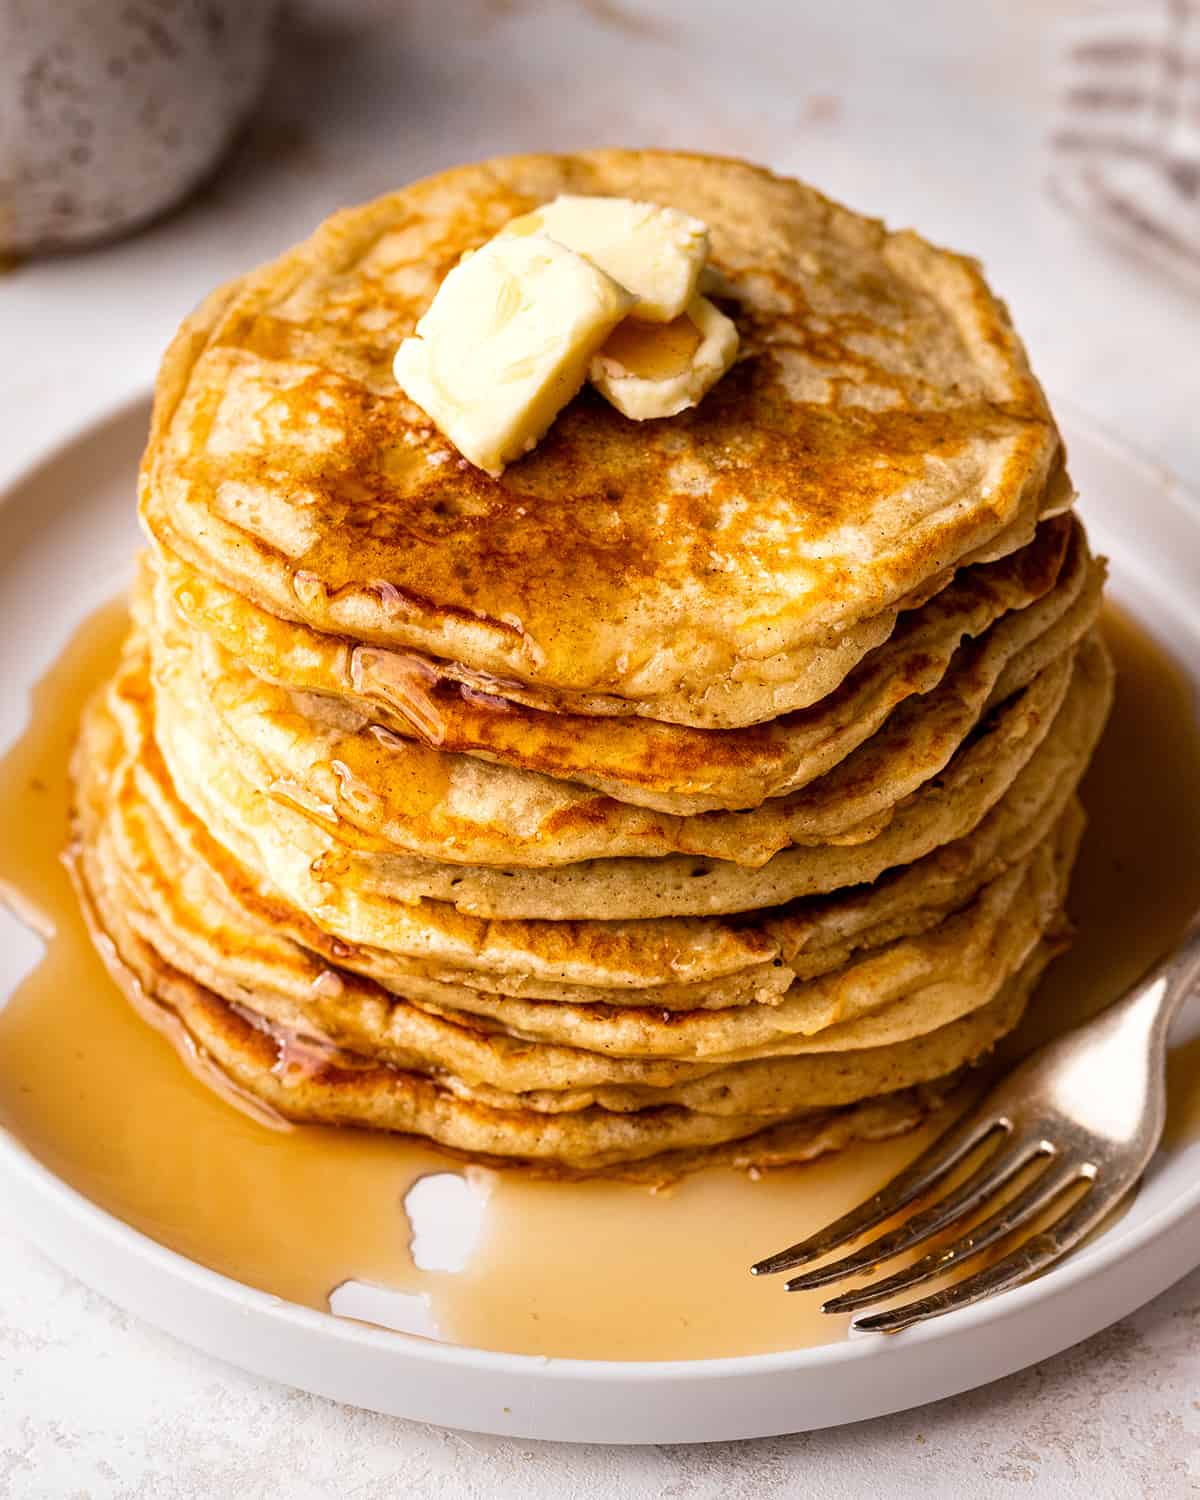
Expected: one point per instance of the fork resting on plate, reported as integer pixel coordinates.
(1077, 1122)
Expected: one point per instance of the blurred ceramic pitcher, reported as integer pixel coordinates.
(112, 110)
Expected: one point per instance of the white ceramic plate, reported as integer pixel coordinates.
(66, 534)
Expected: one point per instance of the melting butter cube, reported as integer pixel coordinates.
(656, 252)
(506, 343)
(658, 369)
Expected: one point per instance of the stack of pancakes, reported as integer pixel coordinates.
(702, 789)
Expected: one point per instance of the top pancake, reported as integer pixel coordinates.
(718, 568)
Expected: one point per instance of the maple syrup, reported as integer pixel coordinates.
(592, 1269)
(653, 351)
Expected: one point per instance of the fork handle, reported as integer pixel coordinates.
(1170, 982)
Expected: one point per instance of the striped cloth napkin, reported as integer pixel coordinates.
(1125, 144)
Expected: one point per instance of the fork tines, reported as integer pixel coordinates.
(1055, 1172)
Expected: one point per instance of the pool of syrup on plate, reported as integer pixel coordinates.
(493, 1259)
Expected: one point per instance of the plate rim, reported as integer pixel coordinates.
(1105, 1255)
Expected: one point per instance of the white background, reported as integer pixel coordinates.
(932, 113)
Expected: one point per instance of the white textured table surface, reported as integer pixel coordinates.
(928, 113)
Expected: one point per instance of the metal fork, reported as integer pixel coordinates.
(1078, 1120)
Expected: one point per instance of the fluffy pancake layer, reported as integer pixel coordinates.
(331, 762)
(880, 429)
(666, 767)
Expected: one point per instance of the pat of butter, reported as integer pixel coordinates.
(658, 369)
(506, 343)
(656, 252)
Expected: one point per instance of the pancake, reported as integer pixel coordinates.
(363, 896)
(881, 997)
(184, 911)
(165, 864)
(665, 1142)
(970, 949)
(560, 1079)
(385, 795)
(668, 768)
(880, 429)
(304, 1082)
(680, 963)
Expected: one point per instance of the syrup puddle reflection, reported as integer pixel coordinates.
(446, 1213)
(402, 1312)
